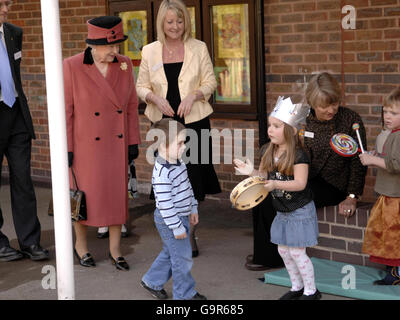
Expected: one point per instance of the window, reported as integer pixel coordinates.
(226, 27)
(135, 27)
(231, 55)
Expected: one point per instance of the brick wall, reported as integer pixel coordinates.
(302, 37)
(340, 238)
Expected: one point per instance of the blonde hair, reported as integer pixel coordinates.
(393, 99)
(181, 11)
(285, 163)
(323, 90)
(167, 126)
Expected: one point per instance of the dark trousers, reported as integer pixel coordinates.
(265, 252)
(15, 145)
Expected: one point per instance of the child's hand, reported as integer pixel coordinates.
(270, 185)
(181, 236)
(194, 219)
(244, 168)
(367, 159)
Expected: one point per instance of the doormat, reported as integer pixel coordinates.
(342, 279)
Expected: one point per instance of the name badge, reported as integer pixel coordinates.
(309, 134)
(157, 66)
(17, 55)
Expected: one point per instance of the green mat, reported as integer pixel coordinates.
(329, 276)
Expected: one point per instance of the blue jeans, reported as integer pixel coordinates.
(175, 259)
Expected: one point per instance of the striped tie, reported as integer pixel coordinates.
(6, 79)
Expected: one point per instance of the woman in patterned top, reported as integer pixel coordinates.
(334, 180)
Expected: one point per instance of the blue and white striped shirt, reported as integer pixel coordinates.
(173, 193)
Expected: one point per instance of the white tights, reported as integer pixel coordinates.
(299, 267)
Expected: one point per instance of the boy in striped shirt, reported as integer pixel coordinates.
(176, 207)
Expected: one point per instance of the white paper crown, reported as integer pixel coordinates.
(293, 114)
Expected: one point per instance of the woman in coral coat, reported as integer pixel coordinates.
(102, 128)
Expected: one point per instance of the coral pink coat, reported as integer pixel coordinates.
(102, 120)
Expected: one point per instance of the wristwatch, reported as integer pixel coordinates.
(352, 195)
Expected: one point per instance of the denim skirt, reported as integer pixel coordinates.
(298, 228)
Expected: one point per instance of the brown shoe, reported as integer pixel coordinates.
(256, 267)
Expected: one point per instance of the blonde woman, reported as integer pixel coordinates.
(176, 79)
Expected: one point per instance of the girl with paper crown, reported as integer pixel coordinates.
(285, 165)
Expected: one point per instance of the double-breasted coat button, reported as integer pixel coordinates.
(120, 136)
(97, 114)
(119, 111)
(97, 138)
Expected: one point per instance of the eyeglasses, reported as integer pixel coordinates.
(6, 4)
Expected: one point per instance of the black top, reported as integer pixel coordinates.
(172, 71)
(346, 174)
(287, 201)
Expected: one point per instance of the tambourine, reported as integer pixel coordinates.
(344, 145)
(249, 193)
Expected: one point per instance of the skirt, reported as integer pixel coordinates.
(202, 176)
(298, 228)
(382, 235)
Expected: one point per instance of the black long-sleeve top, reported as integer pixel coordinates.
(345, 173)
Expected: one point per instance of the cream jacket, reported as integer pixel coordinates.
(197, 73)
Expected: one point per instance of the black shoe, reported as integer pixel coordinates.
(120, 263)
(35, 252)
(198, 296)
(159, 294)
(124, 234)
(9, 254)
(316, 296)
(86, 260)
(292, 295)
(391, 279)
(255, 267)
(102, 235)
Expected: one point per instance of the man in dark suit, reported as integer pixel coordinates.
(16, 134)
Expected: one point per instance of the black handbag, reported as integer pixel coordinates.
(78, 202)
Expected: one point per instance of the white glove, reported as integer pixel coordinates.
(243, 168)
